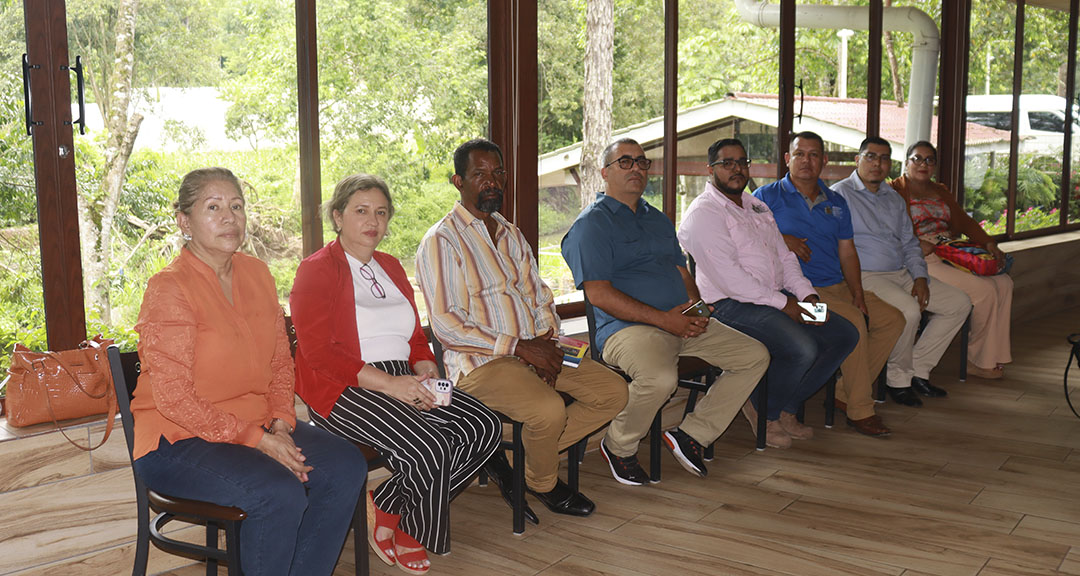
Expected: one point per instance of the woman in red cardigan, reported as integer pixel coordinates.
(361, 362)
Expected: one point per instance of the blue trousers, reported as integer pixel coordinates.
(804, 356)
(292, 528)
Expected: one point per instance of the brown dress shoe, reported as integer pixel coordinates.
(871, 426)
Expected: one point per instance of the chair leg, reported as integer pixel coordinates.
(212, 542)
(654, 446)
(232, 548)
(482, 478)
(360, 545)
(800, 414)
(882, 382)
(142, 541)
(573, 463)
(830, 401)
(519, 480)
(965, 333)
(762, 409)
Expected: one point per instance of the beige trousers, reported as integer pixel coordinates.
(650, 356)
(876, 341)
(550, 426)
(991, 300)
(948, 308)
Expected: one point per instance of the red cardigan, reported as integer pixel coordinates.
(323, 308)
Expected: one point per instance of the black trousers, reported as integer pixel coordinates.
(432, 454)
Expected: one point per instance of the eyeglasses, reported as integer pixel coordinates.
(368, 274)
(871, 157)
(627, 162)
(921, 161)
(731, 163)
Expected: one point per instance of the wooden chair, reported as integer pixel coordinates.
(575, 453)
(125, 372)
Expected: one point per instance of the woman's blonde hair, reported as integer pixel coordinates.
(348, 186)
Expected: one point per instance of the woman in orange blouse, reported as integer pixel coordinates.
(214, 416)
(936, 214)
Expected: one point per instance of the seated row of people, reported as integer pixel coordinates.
(214, 410)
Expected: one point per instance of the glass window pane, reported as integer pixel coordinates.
(989, 105)
(401, 85)
(898, 71)
(206, 87)
(22, 308)
(636, 112)
(1042, 118)
(728, 73)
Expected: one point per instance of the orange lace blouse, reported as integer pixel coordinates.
(211, 369)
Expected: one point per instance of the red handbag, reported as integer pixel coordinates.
(971, 257)
(54, 386)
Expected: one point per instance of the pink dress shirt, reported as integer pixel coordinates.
(739, 251)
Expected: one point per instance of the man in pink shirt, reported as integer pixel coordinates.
(755, 285)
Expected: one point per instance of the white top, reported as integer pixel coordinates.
(384, 325)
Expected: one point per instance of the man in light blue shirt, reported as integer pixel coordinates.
(893, 267)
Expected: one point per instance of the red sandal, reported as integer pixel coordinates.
(376, 519)
(415, 559)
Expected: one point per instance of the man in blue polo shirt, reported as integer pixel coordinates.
(625, 256)
(816, 225)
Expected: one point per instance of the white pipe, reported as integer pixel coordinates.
(924, 47)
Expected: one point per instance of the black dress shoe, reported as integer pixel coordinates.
(562, 500)
(924, 387)
(905, 396)
(502, 474)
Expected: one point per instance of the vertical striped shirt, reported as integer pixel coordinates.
(482, 295)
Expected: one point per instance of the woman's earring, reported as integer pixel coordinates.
(186, 237)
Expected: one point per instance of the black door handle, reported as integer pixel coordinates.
(79, 93)
(26, 68)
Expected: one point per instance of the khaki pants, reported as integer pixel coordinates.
(513, 388)
(948, 309)
(876, 341)
(650, 356)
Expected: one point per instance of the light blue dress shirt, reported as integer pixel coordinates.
(884, 237)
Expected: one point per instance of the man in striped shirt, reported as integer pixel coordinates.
(496, 319)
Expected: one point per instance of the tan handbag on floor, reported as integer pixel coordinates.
(54, 386)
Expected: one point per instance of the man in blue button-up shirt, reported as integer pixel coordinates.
(625, 256)
(816, 224)
(893, 267)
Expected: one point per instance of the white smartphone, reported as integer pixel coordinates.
(820, 311)
(442, 388)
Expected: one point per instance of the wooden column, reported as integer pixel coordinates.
(671, 107)
(786, 104)
(54, 172)
(307, 82)
(1014, 141)
(1070, 89)
(955, 44)
(513, 108)
(873, 72)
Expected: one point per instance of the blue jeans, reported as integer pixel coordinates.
(291, 527)
(804, 356)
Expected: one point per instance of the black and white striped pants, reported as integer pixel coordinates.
(433, 454)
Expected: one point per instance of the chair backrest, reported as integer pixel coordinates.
(290, 331)
(125, 368)
(590, 319)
